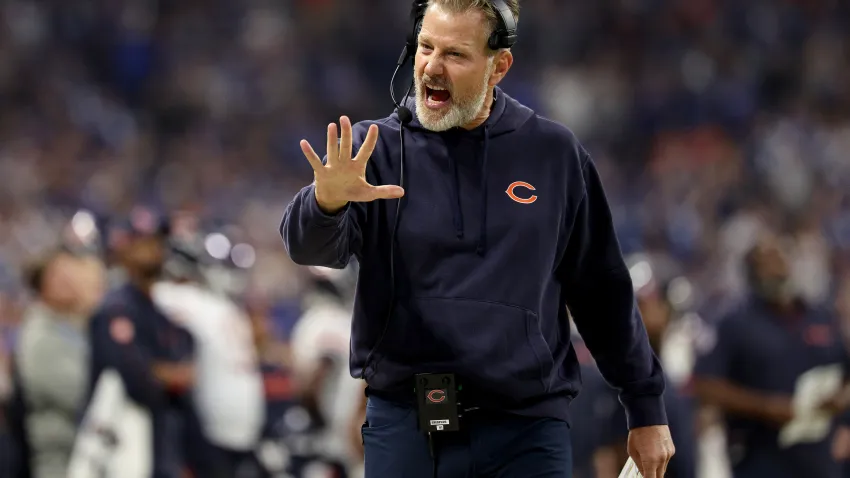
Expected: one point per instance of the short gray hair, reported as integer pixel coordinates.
(486, 6)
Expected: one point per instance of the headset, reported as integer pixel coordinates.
(504, 36)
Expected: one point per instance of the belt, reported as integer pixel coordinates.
(469, 397)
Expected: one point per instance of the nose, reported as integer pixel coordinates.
(433, 67)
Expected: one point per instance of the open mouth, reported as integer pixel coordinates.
(437, 97)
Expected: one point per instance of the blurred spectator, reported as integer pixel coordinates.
(52, 357)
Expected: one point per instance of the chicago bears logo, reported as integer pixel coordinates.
(121, 330)
(437, 396)
(521, 184)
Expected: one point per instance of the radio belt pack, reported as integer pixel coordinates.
(437, 402)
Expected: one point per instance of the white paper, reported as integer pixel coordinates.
(812, 389)
(630, 470)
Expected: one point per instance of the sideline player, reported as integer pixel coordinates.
(141, 369)
(320, 348)
(228, 392)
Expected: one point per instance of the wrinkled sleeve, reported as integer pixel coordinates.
(600, 297)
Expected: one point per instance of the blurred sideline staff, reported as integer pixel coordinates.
(228, 392)
(750, 367)
(52, 356)
(320, 352)
(140, 371)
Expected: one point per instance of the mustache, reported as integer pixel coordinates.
(434, 82)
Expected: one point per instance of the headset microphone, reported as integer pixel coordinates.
(405, 116)
(417, 12)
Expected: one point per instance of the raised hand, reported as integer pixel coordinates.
(342, 179)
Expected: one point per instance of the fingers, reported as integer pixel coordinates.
(312, 157)
(369, 143)
(345, 141)
(671, 451)
(649, 471)
(387, 192)
(655, 467)
(645, 470)
(333, 144)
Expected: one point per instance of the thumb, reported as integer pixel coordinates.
(387, 192)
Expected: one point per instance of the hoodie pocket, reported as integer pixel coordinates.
(498, 347)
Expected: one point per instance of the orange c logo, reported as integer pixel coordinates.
(521, 184)
(436, 396)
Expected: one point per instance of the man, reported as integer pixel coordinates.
(140, 370)
(503, 221)
(751, 368)
(52, 358)
(228, 391)
(320, 348)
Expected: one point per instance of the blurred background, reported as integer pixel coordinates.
(711, 121)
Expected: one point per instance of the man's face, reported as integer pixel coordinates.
(771, 269)
(60, 281)
(454, 69)
(145, 255)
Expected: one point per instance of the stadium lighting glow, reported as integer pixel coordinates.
(84, 226)
(243, 255)
(217, 245)
(641, 274)
(680, 291)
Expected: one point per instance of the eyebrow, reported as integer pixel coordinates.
(458, 46)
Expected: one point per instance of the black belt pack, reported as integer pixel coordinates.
(437, 402)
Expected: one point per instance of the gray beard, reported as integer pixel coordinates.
(461, 112)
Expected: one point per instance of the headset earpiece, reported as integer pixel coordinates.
(505, 35)
(417, 13)
(501, 40)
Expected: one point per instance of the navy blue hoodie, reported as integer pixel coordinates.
(500, 229)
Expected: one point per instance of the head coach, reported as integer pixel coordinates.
(476, 224)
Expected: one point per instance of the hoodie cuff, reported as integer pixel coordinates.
(321, 217)
(645, 411)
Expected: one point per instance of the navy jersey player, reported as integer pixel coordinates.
(153, 358)
(750, 370)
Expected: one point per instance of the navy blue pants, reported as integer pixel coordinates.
(491, 445)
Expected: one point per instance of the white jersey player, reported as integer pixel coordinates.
(229, 393)
(320, 351)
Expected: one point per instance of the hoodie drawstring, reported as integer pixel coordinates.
(457, 212)
(457, 217)
(482, 236)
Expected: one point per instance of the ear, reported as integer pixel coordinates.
(501, 64)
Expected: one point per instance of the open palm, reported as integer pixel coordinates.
(342, 179)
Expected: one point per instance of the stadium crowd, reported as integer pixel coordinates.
(721, 129)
